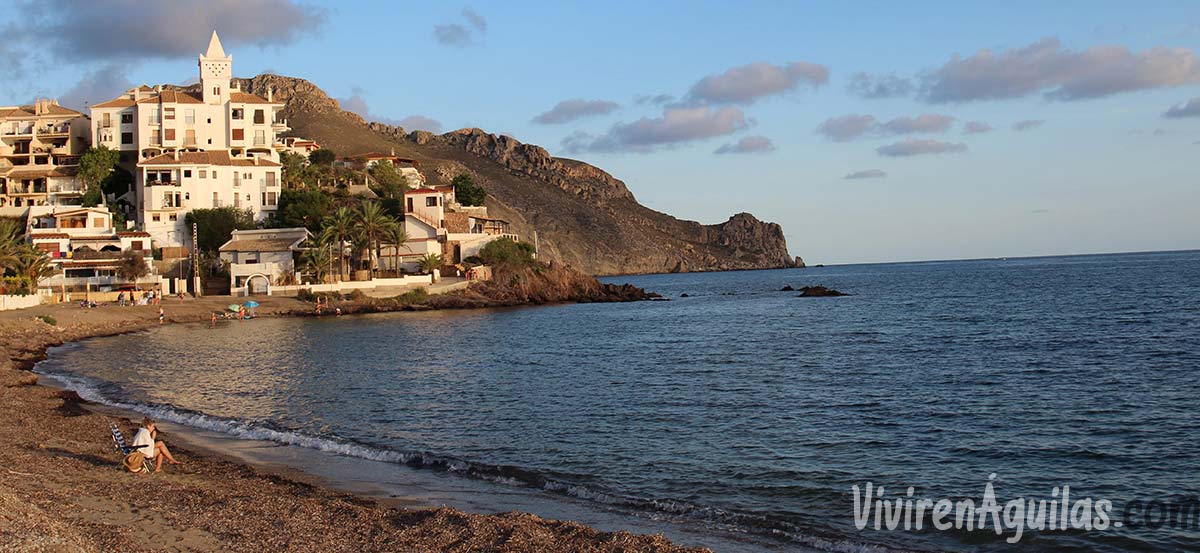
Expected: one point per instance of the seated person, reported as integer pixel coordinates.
(145, 441)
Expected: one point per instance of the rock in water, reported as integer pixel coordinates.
(787, 288)
(819, 292)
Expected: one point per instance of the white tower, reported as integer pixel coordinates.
(216, 72)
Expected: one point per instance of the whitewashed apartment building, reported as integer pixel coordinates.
(194, 150)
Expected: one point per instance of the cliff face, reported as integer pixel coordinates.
(576, 213)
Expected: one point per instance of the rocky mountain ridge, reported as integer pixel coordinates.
(574, 212)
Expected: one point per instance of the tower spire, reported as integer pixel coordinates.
(214, 47)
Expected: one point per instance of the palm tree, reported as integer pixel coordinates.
(318, 261)
(10, 243)
(33, 264)
(339, 227)
(372, 223)
(430, 262)
(397, 236)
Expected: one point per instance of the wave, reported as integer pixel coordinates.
(660, 508)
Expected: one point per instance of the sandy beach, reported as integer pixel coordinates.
(64, 490)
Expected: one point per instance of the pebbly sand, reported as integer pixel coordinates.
(62, 489)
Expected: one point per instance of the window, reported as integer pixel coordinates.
(259, 118)
(173, 217)
(216, 91)
(98, 222)
(126, 118)
(260, 138)
(216, 199)
(169, 114)
(431, 201)
(136, 245)
(126, 138)
(189, 137)
(48, 247)
(271, 179)
(170, 134)
(236, 113)
(214, 173)
(156, 217)
(272, 198)
(155, 138)
(239, 134)
(106, 121)
(189, 116)
(204, 173)
(187, 173)
(154, 118)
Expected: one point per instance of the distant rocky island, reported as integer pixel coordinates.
(577, 213)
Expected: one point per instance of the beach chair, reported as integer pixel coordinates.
(124, 448)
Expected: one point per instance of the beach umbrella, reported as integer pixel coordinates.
(234, 307)
(251, 304)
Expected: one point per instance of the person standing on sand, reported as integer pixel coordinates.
(161, 315)
(145, 441)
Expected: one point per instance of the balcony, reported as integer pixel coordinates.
(260, 141)
(69, 187)
(161, 183)
(19, 131)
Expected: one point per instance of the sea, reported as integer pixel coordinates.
(734, 414)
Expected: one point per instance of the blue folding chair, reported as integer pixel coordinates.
(124, 448)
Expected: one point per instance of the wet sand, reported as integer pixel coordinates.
(62, 488)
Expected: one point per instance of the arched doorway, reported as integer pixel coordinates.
(258, 284)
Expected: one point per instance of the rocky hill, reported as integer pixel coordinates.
(580, 215)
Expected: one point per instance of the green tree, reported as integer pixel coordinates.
(372, 224)
(323, 157)
(467, 192)
(95, 165)
(215, 226)
(390, 183)
(338, 228)
(429, 262)
(32, 264)
(318, 261)
(306, 207)
(506, 251)
(132, 266)
(294, 169)
(397, 236)
(11, 232)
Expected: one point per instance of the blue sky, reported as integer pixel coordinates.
(1102, 171)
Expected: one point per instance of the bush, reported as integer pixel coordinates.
(19, 285)
(505, 251)
(48, 320)
(467, 192)
(418, 295)
(306, 295)
(356, 295)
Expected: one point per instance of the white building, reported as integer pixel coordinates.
(436, 224)
(189, 150)
(40, 145)
(258, 258)
(83, 244)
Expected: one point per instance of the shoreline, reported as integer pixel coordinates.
(64, 487)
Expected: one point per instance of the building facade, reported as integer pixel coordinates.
(191, 150)
(84, 245)
(40, 145)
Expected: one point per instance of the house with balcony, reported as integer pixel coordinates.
(437, 224)
(40, 145)
(258, 258)
(166, 136)
(84, 245)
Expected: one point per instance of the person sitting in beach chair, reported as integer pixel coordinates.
(133, 463)
(146, 441)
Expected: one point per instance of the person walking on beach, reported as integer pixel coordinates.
(146, 441)
(161, 315)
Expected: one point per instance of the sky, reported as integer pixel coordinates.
(871, 131)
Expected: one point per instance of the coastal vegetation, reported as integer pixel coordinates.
(21, 263)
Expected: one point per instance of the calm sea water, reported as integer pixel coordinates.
(740, 407)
